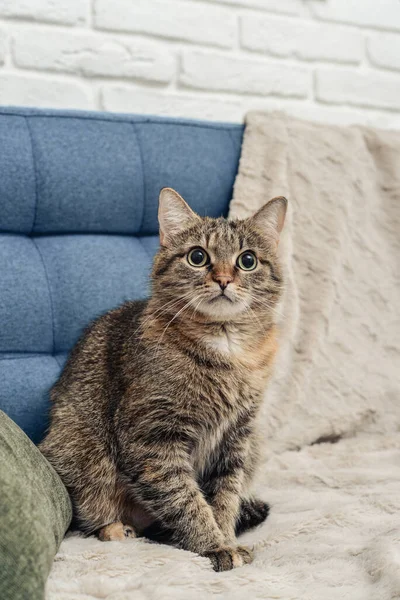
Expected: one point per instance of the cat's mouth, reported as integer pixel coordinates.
(220, 296)
(222, 306)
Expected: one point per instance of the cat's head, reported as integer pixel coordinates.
(222, 269)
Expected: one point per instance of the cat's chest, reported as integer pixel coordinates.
(251, 358)
(206, 449)
(228, 344)
(229, 393)
(224, 404)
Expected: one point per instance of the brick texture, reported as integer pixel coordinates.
(327, 60)
(357, 88)
(285, 38)
(3, 46)
(286, 7)
(66, 12)
(119, 98)
(90, 55)
(181, 20)
(218, 72)
(364, 13)
(42, 92)
(384, 50)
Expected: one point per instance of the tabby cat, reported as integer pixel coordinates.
(153, 419)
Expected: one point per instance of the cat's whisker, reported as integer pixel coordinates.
(142, 323)
(169, 323)
(196, 307)
(167, 306)
(269, 306)
(266, 302)
(248, 309)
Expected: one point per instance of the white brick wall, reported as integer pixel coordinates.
(330, 60)
(65, 12)
(177, 20)
(93, 55)
(224, 73)
(284, 38)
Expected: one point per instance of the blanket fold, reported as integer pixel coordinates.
(338, 370)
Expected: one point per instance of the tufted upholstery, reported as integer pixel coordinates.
(78, 227)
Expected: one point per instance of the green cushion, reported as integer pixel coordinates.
(35, 512)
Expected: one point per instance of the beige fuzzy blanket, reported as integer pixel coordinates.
(334, 528)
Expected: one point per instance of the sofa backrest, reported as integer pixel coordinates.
(78, 227)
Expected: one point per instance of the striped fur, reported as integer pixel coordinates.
(153, 420)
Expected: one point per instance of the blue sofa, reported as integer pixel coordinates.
(78, 228)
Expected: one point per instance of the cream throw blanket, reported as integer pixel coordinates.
(334, 528)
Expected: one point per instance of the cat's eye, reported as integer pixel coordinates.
(247, 261)
(198, 257)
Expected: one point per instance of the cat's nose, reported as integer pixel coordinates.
(223, 280)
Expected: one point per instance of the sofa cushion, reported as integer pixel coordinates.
(78, 227)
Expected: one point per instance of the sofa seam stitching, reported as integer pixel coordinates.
(143, 176)
(238, 166)
(56, 359)
(145, 249)
(36, 355)
(74, 232)
(232, 141)
(49, 290)
(34, 173)
(129, 121)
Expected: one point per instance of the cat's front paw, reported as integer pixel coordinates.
(116, 532)
(252, 512)
(229, 557)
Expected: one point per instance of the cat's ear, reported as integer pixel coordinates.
(174, 215)
(271, 217)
